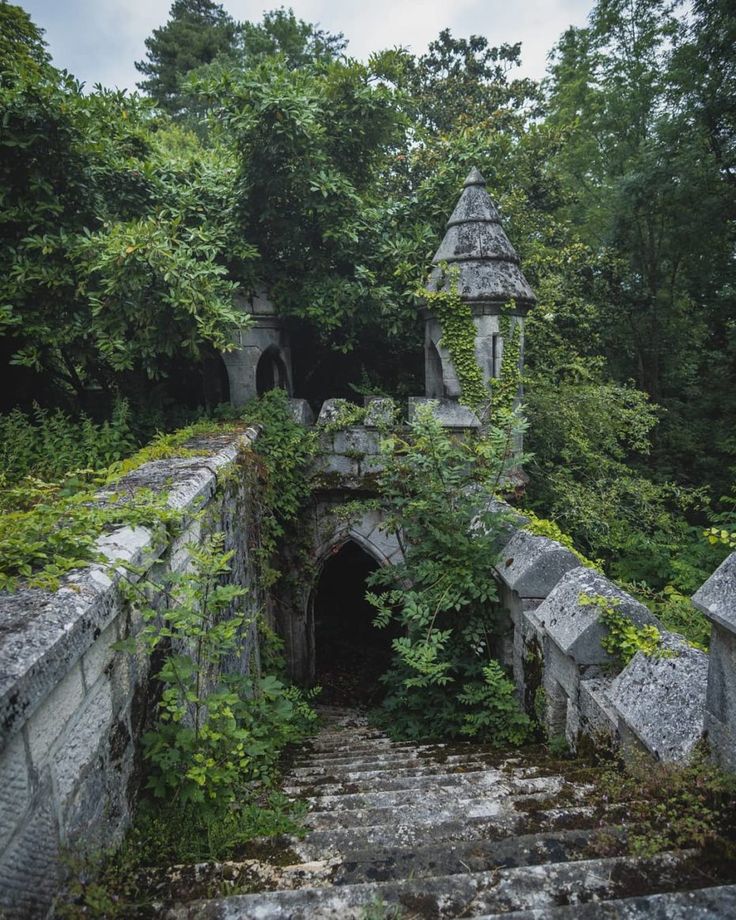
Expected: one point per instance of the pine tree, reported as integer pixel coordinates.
(197, 32)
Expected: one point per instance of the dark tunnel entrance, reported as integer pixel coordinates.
(350, 652)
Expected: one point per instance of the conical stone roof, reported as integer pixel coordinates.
(476, 244)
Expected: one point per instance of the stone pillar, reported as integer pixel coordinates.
(262, 359)
(717, 600)
(489, 280)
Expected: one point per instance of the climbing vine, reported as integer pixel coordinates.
(282, 454)
(543, 527)
(505, 388)
(458, 337)
(624, 638)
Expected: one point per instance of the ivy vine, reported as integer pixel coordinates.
(458, 337)
(506, 387)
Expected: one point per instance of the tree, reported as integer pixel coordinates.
(198, 32)
(463, 82)
(115, 252)
(280, 33)
(20, 39)
(310, 144)
(645, 189)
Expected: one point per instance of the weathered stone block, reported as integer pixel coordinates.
(722, 741)
(28, 868)
(661, 699)
(597, 715)
(575, 628)
(717, 596)
(332, 410)
(561, 669)
(572, 722)
(353, 441)
(179, 556)
(78, 745)
(49, 720)
(717, 599)
(15, 787)
(301, 412)
(379, 412)
(533, 565)
(338, 465)
(99, 655)
(449, 413)
(722, 677)
(126, 544)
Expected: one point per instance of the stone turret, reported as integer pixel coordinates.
(262, 359)
(488, 277)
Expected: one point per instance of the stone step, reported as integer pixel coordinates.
(330, 787)
(399, 750)
(393, 863)
(407, 766)
(335, 841)
(396, 760)
(378, 770)
(347, 800)
(538, 888)
(387, 783)
(716, 903)
(435, 808)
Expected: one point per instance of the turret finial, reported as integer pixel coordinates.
(475, 177)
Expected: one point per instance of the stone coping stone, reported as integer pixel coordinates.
(332, 409)
(532, 565)
(662, 699)
(43, 633)
(380, 411)
(301, 412)
(716, 597)
(575, 628)
(596, 710)
(449, 414)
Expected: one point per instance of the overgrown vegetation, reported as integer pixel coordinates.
(60, 490)
(623, 638)
(444, 680)
(213, 749)
(458, 336)
(672, 806)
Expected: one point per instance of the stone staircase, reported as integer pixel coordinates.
(398, 830)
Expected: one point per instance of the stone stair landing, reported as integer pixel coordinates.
(428, 832)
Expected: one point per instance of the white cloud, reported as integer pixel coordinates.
(98, 40)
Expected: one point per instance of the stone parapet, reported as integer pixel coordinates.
(564, 675)
(72, 708)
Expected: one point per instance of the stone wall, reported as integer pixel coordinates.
(72, 708)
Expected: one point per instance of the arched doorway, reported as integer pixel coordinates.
(271, 373)
(350, 652)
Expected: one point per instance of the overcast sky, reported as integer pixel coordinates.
(98, 40)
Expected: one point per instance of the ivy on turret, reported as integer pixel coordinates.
(506, 388)
(458, 337)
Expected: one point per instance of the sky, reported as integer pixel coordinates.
(98, 40)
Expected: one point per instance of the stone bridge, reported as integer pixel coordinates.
(72, 709)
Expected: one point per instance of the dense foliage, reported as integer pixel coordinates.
(444, 680)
